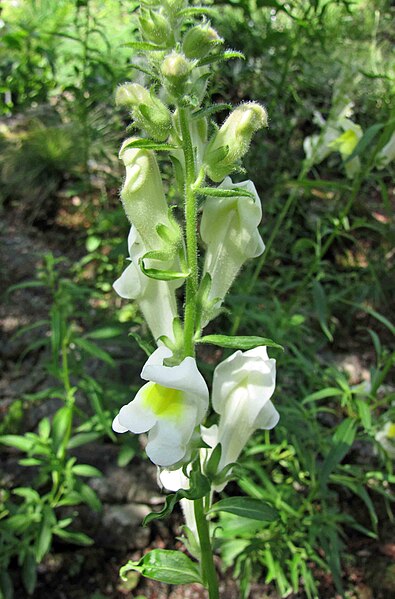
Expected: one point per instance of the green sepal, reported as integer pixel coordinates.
(199, 487)
(227, 55)
(211, 467)
(238, 342)
(150, 144)
(147, 348)
(164, 565)
(246, 507)
(235, 192)
(158, 273)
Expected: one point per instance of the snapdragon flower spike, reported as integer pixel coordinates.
(242, 387)
(156, 299)
(169, 406)
(229, 229)
(142, 193)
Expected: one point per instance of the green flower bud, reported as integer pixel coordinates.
(200, 40)
(142, 193)
(147, 110)
(175, 69)
(155, 28)
(233, 139)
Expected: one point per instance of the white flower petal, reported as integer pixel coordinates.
(136, 416)
(268, 417)
(165, 445)
(117, 426)
(128, 285)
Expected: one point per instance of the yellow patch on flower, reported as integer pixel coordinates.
(164, 402)
(391, 431)
(345, 143)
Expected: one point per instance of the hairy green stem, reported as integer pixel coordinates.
(207, 559)
(191, 236)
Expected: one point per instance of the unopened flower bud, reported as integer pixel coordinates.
(142, 193)
(147, 110)
(199, 40)
(175, 69)
(156, 28)
(232, 140)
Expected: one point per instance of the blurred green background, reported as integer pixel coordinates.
(72, 495)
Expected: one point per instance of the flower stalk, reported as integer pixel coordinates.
(172, 406)
(190, 234)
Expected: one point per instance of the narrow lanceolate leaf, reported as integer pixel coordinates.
(144, 46)
(200, 486)
(228, 55)
(171, 567)
(247, 507)
(209, 110)
(149, 144)
(17, 441)
(162, 275)
(342, 441)
(238, 342)
(197, 10)
(236, 192)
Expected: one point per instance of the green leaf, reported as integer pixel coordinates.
(61, 424)
(247, 507)
(79, 538)
(44, 538)
(322, 394)
(86, 470)
(17, 441)
(197, 11)
(105, 333)
(94, 350)
(149, 144)
(126, 454)
(82, 439)
(144, 46)
(238, 342)
(321, 308)
(143, 344)
(6, 586)
(90, 498)
(209, 110)
(29, 494)
(199, 487)
(29, 573)
(171, 567)
(227, 55)
(342, 440)
(236, 192)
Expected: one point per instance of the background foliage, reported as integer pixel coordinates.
(323, 288)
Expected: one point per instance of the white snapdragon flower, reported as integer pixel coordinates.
(229, 228)
(242, 387)
(169, 406)
(156, 299)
